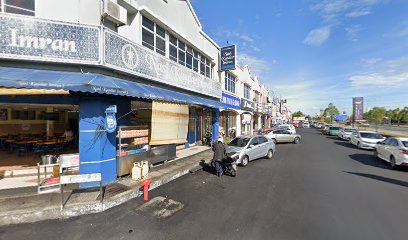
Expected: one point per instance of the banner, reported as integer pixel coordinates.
(228, 57)
(247, 105)
(358, 108)
(231, 101)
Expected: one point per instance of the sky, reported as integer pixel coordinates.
(313, 52)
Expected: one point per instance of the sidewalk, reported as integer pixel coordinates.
(24, 208)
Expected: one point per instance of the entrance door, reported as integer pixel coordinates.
(192, 134)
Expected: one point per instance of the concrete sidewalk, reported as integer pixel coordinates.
(25, 208)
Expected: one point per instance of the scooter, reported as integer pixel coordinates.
(229, 165)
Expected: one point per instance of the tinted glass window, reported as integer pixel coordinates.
(148, 39)
(405, 143)
(262, 140)
(394, 142)
(370, 135)
(254, 141)
(148, 24)
(23, 7)
(334, 128)
(285, 132)
(239, 142)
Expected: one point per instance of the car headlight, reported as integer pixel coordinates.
(235, 156)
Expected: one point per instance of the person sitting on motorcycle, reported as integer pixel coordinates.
(219, 154)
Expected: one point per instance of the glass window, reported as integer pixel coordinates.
(23, 7)
(173, 53)
(405, 143)
(208, 68)
(173, 40)
(202, 65)
(229, 82)
(195, 61)
(160, 32)
(239, 142)
(147, 39)
(148, 24)
(189, 58)
(247, 91)
(153, 36)
(262, 140)
(181, 53)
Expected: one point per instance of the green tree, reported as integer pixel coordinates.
(298, 114)
(402, 115)
(330, 111)
(377, 115)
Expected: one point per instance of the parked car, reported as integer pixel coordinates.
(288, 127)
(306, 125)
(296, 125)
(250, 148)
(333, 131)
(366, 139)
(325, 129)
(318, 125)
(393, 150)
(278, 136)
(345, 133)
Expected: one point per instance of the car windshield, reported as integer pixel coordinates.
(334, 128)
(239, 142)
(405, 143)
(349, 130)
(371, 135)
(268, 131)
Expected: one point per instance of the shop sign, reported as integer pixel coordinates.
(127, 56)
(247, 105)
(110, 119)
(228, 57)
(246, 119)
(270, 110)
(358, 108)
(43, 40)
(230, 101)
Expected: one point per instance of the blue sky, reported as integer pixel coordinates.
(313, 52)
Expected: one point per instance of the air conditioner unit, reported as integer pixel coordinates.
(115, 13)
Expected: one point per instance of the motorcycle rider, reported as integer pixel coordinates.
(219, 154)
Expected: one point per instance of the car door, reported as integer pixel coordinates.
(263, 146)
(391, 148)
(287, 136)
(277, 134)
(253, 148)
(354, 138)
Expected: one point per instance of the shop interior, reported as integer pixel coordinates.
(29, 131)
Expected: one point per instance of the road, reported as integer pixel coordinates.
(320, 189)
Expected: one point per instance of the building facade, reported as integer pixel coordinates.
(95, 66)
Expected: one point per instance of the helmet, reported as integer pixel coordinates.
(220, 140)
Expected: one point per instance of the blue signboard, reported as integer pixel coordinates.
(231, 101)
(110, 119)
(228, 57)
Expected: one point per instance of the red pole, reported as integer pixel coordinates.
(146, 192)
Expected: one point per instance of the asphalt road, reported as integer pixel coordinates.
(320, 189)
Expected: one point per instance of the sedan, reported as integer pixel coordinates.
(365, 139)
(278, 136)
(345, 133)
(333, 131)
(393, 150)
(325, 129)
(248, 148)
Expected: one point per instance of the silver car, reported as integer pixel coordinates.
(247, 148)
(280, 135)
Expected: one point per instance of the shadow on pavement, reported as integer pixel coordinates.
(381, 178)
(207, 167)
(345, 144)
(369, 160)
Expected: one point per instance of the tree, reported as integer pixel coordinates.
(298, 114)
(377, 115)
(330, 111)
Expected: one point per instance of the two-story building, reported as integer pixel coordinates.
(80, 71)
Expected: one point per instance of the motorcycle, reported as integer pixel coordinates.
(229, 165)
(207, 139)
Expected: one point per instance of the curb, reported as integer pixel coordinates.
(30, 216)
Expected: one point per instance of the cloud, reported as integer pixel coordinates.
(370, 61)
(258, 66)
(358, 13)
(392, 74)
(317, 36)
(352, 32)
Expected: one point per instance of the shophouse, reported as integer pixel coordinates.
(127, 79)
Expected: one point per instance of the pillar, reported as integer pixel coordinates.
(97, 148)
(50, 124)
(215, 124)
(238, 123)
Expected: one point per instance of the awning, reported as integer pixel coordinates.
(94, 83)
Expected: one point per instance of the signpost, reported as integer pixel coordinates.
(228, 57)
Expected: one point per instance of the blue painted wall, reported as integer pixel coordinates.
(215, 124)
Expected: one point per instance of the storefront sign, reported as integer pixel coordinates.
(110, 119)
(269, 110)
(246, 119)
(247, 105)
(358, 108)
(230, 101)
(130, 57)
(34, 39)
(228, 57)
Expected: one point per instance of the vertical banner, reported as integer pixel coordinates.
(358, 108)
(228, 58)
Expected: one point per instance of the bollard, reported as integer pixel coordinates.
(145, 184)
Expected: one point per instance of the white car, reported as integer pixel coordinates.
(306, 125)
(288, 127)
(345, 133)
(366, 139)
(393, 150)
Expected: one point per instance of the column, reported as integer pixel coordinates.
(215, 124)
(97, 148)
(239, 127)
(50, 124)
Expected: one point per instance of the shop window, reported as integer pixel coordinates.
(22, 7)
(247, 91)
(3, 114)
(153, 36)
(23, 115)
(229, 82)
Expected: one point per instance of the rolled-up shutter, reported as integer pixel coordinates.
(169, 123)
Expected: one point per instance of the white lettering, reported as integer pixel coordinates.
(57, 45)
(13, 37)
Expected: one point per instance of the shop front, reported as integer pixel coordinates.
(109, 122)
(247, 108)
(229, 116)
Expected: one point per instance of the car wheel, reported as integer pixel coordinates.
(375, 152)
(393, 165)
(297, 140)
(274, 140)
(269, 155)
(358, 145)
(244, 161)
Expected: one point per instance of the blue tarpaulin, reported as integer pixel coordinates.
(340, 117)
(94, 83)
